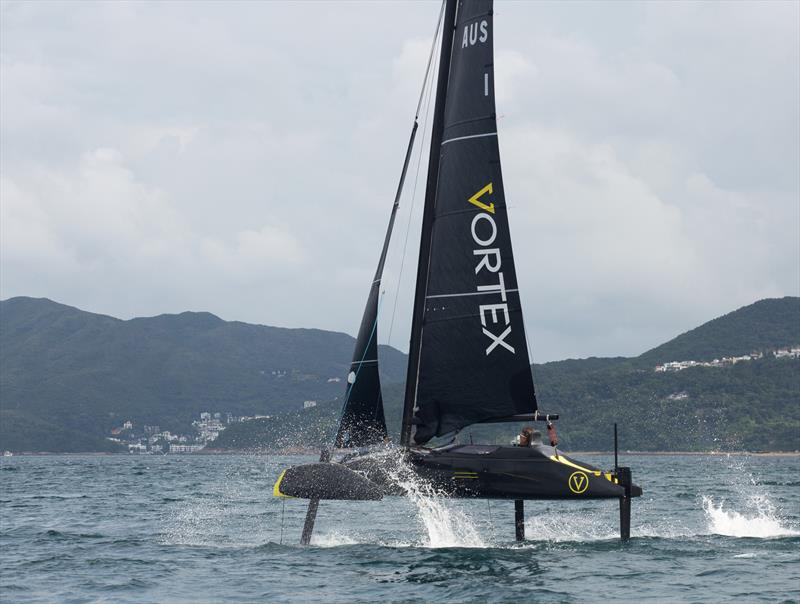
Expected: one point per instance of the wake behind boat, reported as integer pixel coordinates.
(468, 356)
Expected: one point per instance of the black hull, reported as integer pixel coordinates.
(466, 471)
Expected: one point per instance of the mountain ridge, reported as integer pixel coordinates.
(89, 372)
(71, 371)
(761, 325)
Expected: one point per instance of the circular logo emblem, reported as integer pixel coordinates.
(578, 482)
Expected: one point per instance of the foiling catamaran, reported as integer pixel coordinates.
(468, 358)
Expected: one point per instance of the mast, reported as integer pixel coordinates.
(415, 346)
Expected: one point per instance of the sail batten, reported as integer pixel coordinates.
(472, 364)
(463, 138)
(465, 294)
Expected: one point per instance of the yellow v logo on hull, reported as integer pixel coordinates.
(475, 199)
(578, 482)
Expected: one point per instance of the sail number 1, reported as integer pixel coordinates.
(484, 234)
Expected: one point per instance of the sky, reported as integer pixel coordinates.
(242, 158)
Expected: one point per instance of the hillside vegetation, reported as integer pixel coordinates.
(67, 376)
(752, 405)
(765, 325)
(745, 407)
(67, 370)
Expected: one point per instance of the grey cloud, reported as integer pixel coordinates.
(242, 157)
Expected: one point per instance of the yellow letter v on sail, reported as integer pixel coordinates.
(475, 199)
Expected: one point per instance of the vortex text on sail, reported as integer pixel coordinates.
(484, 234)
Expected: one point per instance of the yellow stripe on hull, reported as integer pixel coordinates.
(563, 460)
(276, 490)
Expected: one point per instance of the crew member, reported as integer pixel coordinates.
(551, 434)
(525, 437)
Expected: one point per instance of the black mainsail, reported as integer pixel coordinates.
(469, 358)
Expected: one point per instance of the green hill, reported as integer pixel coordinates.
(764, 325)
(67, 377)
(751, 405)
(21, 432)
(83, 372)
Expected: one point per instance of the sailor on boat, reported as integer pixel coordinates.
(551, 434)
(529, 437)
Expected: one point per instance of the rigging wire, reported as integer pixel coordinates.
(491, 523)
(430, 59)
(283, 512)
(425, 88)
(426, 92)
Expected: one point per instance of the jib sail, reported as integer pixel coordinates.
(363, 422)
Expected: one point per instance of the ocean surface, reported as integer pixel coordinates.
(207, 529)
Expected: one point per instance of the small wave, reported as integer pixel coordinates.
(333, 540)
(780, 483)
(64, 536)
(763, 522)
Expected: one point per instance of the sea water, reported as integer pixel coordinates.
(207, 529)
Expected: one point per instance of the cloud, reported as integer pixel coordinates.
(593, 233)
(94, 229)
(155, 158)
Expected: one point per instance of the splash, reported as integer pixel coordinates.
(761, 520)
(193, 523)
(752, 512)
(225, 514)
(445, 525)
